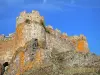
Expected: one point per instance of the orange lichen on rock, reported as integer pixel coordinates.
(19, 33)
(28, 66)
(38, 57)
(18, 73)
(63, 36)
(80, 46)
(34, 63)
(21, 63)
(22, 59)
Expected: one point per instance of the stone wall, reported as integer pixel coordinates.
(33, 30)
(58, 43)
(7, 46)
(48, 38)
(80, 43)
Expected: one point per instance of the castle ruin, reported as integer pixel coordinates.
(31, 26)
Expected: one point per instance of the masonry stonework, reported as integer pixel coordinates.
(26, 31)
(31, 26)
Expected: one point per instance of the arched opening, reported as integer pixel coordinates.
(3, 67)
(5, 64)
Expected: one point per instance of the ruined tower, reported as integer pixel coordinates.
(28, 26)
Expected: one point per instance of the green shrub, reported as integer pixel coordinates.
(43, 24)
(47, 31)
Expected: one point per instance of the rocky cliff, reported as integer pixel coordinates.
(36, 49)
